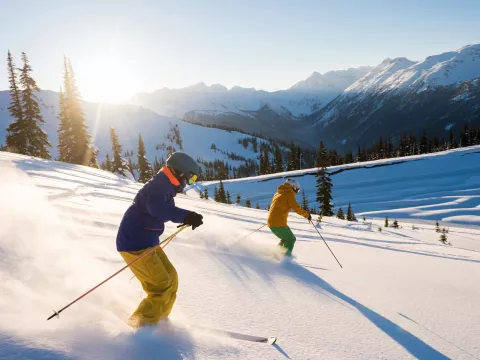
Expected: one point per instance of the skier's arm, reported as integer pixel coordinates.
(160, 206)
(292, 202)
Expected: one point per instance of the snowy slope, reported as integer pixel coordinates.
(400, 295)
(441, 186)
(379, 75)
(128, 121)
(438, 70)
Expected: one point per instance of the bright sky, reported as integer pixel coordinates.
(119, 48)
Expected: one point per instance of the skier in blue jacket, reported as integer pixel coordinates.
(140, 229)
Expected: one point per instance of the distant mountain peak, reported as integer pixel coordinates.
(338, 80)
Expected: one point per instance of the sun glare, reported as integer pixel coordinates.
(105, 79)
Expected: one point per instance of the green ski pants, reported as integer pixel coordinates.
(287, 239)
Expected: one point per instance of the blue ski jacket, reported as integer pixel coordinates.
(143, 222)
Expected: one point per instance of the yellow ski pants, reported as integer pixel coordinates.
(159, 280)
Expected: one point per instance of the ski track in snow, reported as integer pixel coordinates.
(401, 294)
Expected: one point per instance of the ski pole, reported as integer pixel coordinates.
(57, 313)
(326, 243)
(254, 231)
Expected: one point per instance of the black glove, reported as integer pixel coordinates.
(309, 217)
(193, 219)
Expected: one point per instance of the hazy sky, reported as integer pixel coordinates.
(118, 48)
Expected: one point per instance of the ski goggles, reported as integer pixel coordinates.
(191, 179)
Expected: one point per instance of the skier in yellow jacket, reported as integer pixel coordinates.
(284, 201)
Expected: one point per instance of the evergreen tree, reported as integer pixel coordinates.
(248, 204)
(144, 169)
(108, 163)
(386, 221)
(423, 147)
(350, 214)
(465, 136)
(437, 227)
(257, 206)
(238, 199)
(205, 193)
(157, 166)
(118, 164)
(73, 137)
(64, 132)
(340, 214)
(298, 159)
(229, 199)
(93, 158)
(319, 218)
(451, 140)
(131, 167)
(26, 134)
(324, 186)
(278, 160)
(348, 159)
(291, 159)
(320, 159)
(395, 224)
(261, 164)
(201, 195)
(16, 140)
(304, 201)
(222, 196)
(215, 194)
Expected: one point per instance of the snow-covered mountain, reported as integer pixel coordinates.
(439, 93)
(245, 107)
(438, 70)
(336, 80)
(400, 295)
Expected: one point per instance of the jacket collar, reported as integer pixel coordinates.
(173, 180)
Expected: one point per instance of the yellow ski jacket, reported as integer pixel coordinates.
(283, 201)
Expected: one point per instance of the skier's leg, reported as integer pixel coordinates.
(174, 280)
(274, 230)
(155, 281)
(287, 238)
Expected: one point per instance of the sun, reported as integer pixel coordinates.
(106, 79)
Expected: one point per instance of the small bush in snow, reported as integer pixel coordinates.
(437, 227)
(395, 224)
(414, 227)
(340, 214)
(379, 229)
(386, 221)
(443, 238)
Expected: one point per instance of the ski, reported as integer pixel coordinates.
(234, 335)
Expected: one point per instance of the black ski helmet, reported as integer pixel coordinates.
(182, 163)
